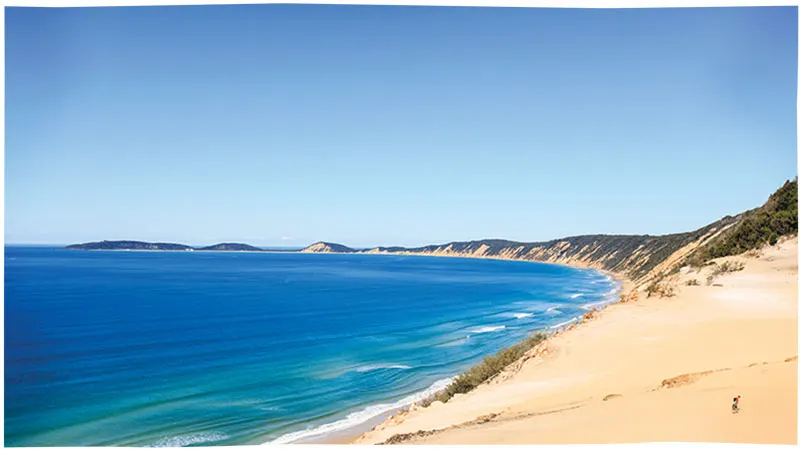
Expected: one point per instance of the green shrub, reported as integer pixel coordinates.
(778, 217)
(773, 238)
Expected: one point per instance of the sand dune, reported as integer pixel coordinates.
(657, 369)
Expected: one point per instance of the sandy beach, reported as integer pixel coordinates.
(648, 369)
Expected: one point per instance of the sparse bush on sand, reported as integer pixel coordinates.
(693, 282)
(660, 286)
(725, 267)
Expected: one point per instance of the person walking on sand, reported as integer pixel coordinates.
(735, 406)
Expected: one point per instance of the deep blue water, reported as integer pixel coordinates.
(172, 348)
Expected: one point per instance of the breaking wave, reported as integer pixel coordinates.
(489, 329)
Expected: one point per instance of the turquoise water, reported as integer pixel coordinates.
(178, 348)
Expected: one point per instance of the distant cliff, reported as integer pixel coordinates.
(639, 257)
(634, 255)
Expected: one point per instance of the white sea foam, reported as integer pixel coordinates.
(553, 310)
(189, 439)
(559, 325)
(362, 416)
(614, 291)
(488, 329)
(522, 315)
(573, 296)
(371, 367)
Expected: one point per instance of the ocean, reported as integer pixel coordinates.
(116, 348)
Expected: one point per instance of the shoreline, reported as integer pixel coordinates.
(458, 429)
(352, 433)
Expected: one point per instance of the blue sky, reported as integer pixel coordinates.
(284, 125)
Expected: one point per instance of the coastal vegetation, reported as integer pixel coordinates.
(764, 225)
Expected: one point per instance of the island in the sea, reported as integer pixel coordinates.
(168, 246)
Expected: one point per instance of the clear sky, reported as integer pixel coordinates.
(284, 125)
